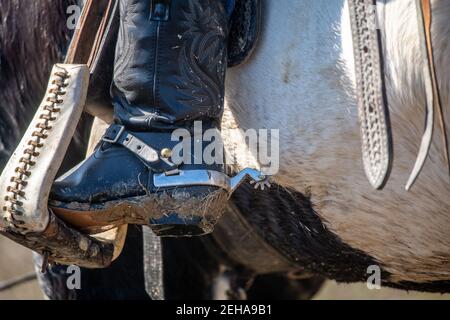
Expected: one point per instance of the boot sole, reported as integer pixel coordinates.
(177, 212)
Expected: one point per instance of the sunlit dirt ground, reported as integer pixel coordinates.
(16, 261)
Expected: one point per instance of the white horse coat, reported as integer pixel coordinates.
(300, 80)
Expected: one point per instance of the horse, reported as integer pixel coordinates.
(320, 215)
(301, 80)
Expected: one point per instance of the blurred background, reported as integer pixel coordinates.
(16, 261)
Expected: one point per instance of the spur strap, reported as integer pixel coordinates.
(372, 103)
(433, 100)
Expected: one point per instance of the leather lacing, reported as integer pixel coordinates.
(18, 181)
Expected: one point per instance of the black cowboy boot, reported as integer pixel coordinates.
(168, 79)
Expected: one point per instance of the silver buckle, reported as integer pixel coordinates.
(117, 137)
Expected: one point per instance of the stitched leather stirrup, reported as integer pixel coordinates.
(26, 180)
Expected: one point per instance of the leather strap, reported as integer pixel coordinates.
(433, 99)
(89, 32)
(153, 264)
(372, 103)
(118, 135)
(91, 44)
